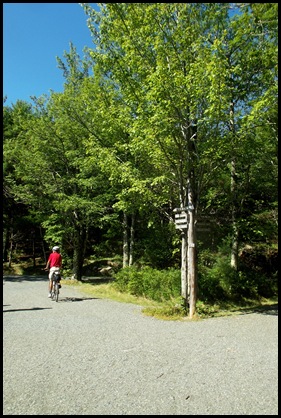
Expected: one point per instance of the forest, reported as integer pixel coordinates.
(173, 111)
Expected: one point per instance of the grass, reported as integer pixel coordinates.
(172, 310)
(24, 268)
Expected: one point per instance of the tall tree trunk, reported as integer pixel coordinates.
(235, 232)
(188, 200)
(33, 249)
(192, 267)
(79, 251)
(125, 241)
(43, 246)
(6, 243)
(132, 240)
(184, 277)
(11, 248)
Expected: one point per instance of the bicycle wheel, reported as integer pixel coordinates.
(53, 291)
(56, 292)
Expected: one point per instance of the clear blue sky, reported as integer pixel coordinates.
(33, 35)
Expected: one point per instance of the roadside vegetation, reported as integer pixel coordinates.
(171, 118)
(157, 291)
(173, 309)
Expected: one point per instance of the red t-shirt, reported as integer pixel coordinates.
(55, 260)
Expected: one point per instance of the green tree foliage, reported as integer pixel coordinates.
(181, 108)
(15, 212)
(52, 175)
(191, 75)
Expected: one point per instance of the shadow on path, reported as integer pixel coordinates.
(270, 309)
(19, 278)
(73, 299)
(265, 310)
(24, 309)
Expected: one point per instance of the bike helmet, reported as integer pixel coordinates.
(56, 248)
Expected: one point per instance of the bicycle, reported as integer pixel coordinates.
(55, 286)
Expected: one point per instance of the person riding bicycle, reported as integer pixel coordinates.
(54, 263)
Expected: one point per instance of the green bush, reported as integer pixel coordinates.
(217, 280)
(261, 284)
(211, 272)
(220, 281)
(158, 285)
(209, 285)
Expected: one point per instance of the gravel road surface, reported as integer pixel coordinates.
(90, 356)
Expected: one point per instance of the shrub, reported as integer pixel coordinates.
(221, 282)
(217, 280)
(158, 285)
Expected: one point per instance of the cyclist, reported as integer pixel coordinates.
(54, 263)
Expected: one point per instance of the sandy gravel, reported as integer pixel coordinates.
(88, 356)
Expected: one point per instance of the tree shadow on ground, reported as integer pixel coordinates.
(75, 299)
(97, 280)
(21, 278)
(41, 277)
(270, 309)
(23, 309)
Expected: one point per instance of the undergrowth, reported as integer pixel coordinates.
(172, 310)
(157, 291)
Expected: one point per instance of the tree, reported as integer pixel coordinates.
(15, 213)
(246, 55)
(51, 174)
(159, 72)
(180, 112)
(183, 70)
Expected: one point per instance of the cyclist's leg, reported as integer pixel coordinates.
(59, 280)
(57, 292)
(51, 280)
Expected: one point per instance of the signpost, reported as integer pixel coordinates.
(184, 220)
(182, 217)
(181, 220)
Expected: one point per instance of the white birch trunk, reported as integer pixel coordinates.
(191, 238)
(192, 276)
(184, 280)
(125, 241)
(132, 240)
(235, 243)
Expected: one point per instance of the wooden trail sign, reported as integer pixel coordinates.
(181, 220)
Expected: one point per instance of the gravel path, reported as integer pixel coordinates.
(89, 356)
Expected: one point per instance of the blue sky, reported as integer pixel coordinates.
(33, 35)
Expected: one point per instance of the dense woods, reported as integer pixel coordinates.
(174, 107)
